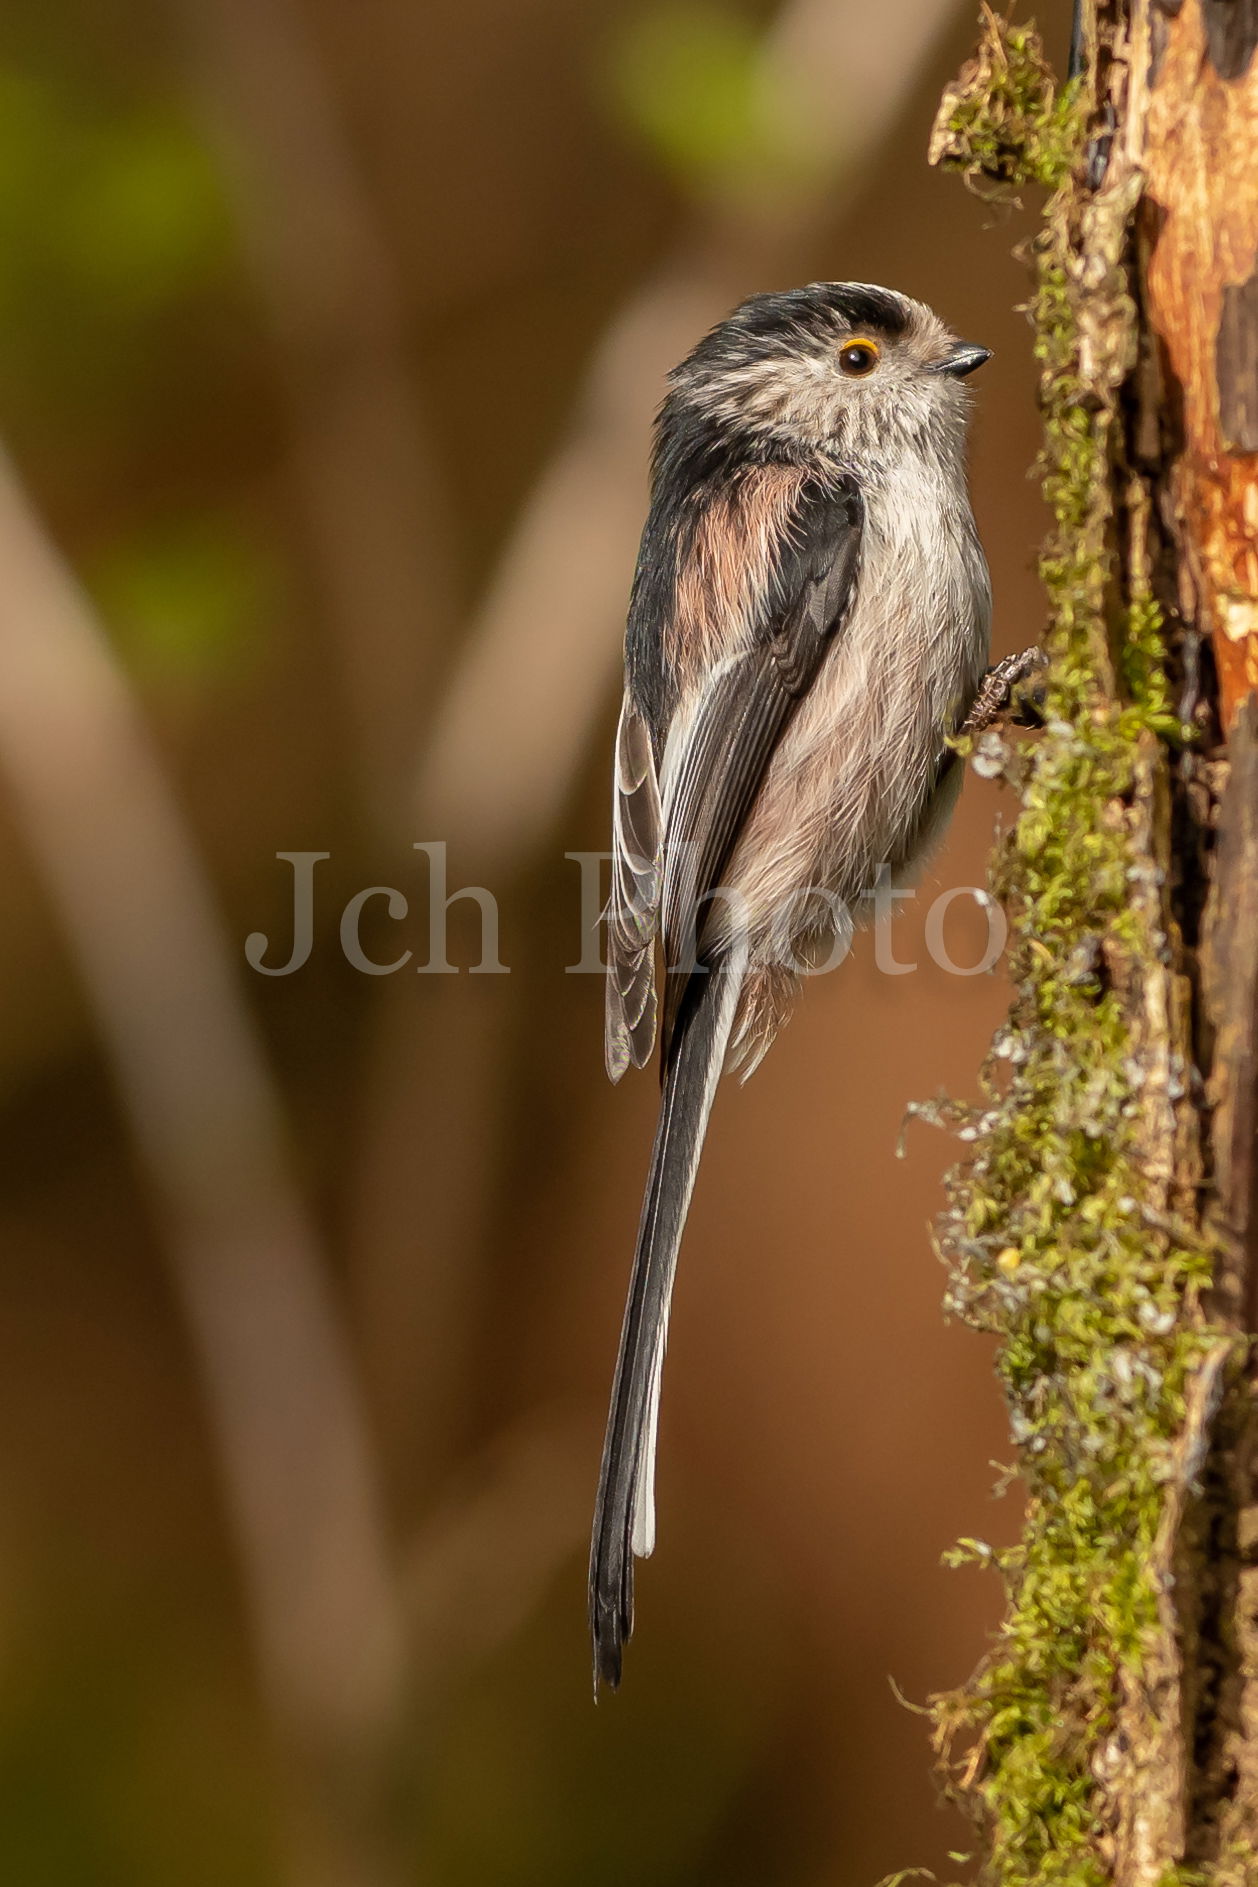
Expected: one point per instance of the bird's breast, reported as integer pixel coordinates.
(849, 789)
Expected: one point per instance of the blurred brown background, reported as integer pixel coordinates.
(329, 337)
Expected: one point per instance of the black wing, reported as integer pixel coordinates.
(746, 707)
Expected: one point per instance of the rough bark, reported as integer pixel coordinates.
(1106, 1225)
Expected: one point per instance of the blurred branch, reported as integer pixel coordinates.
(121, 870)
(378, 541)
(378, 534)
(539, 663)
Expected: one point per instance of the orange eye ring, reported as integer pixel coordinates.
(859, 357)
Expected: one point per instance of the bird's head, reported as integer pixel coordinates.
(842, 367)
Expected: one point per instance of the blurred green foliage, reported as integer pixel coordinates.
(129, 1756)
(189, 599)
(114, 234)
(691, 79)
(111, 213)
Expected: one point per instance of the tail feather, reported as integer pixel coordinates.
(624, 1513)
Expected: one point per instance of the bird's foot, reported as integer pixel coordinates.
(1008, 692)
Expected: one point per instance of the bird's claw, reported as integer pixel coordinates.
(1008, 692)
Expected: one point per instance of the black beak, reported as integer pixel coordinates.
(962, 359)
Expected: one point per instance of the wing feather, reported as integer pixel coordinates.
(633, 909)
(717, 763)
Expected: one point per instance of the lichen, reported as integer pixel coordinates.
(1059, 1232)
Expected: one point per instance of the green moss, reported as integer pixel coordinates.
(1004, 123)
(1055, 1231)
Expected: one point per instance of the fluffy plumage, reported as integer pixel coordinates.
(808, 623)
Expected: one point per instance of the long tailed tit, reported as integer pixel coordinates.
(807, 627)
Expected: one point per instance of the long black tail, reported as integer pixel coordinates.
(624, 1512)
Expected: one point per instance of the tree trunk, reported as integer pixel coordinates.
(1106, 1225)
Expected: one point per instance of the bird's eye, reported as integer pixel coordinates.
(859, 358)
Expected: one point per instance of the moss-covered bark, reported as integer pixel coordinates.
(1105, 1736)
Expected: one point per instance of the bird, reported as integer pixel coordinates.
(808, 624)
